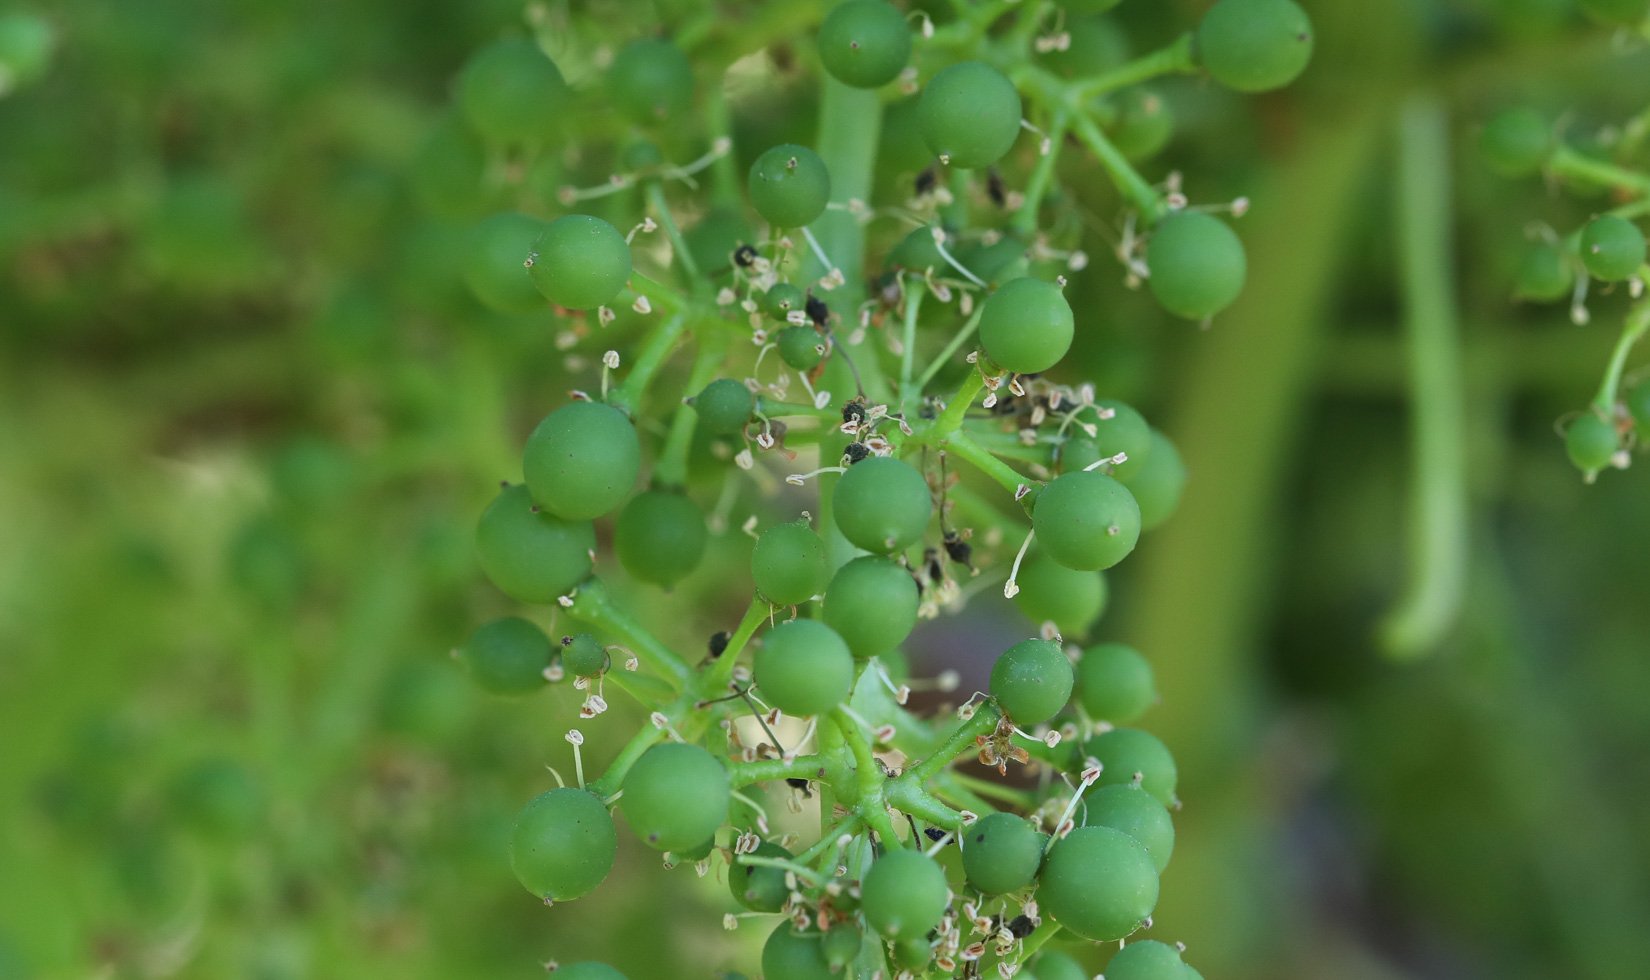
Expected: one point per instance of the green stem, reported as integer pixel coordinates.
(828, 838)
(1006, 476)
(610, 781)
(656, 347)
(957, 407)
(594, 606)
(1042, 175)
(654, 193)
(953, 345)
(671, 469)
(663, 298)
(795, 867)
(1133, 186)
(810, 767)
(956, 745)
(908, 355)
(719, 674)
(773, 409)
(985, 787)
(868, 775)
(1176, 59)
(1566, 162)
(1638, 322)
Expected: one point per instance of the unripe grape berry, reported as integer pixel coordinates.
(675, 796)
(1001, 853)
(493, 266)
(904, 894)
(1590, 441)
(1135, 812)
(580, 262)
(1032, 681)
(563, 844)
(1197, 264)
(1612, 248)
(1158, 483)
(651, 80)
(800, 347)
(583, 655)
(872, 604)
(799, 955)
(588, 970)
(788, 564)
(970, 115)
(1051, 592)
(1617, 11)
(724, 407)
(1127, 753)
(803, 668)
(1515, 143)
(1254, 45)
(882, 504)
(660, 537)
(919, 252)
(1115, 683)
(582, 460)
(1546, 274)
(1099, 883)
(512, 94)
(1086, 521)
(1026, 326)
(758, 887)
(864, 43)
(714, 238)
(913, 953)
(507, 656)
(1095, 44)
(1637, 401)
(532, 556)
(1143, 124)
(1146, 959)
(1124, 432)
(781, 298)
(842, 944)
(997, 261)
(1054, 965)
(789, 186)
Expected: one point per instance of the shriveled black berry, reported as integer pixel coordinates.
(926, 182)
(996, 189)
(1020, 926)
(817, 311)
(719, 642)
(744, 256)
(959, 550)
(855, 452)
(853, 411)
(934, 833)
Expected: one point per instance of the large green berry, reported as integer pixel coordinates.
(1122, 430)
(532, 556)
(1197, 264)
(582, 460)
(1516, 142)
(1142, 125)
(1590, 441)
(714, 239)
(1146, 959)
(1070, 599)
(803, 668)
(904, 894)
(1099, 883)
(1612, 248)
(660, 537)
(882, 504)
(1001, 853)
(1032, 681)
(760, 888)
(1129, 808)
(789, 186)
(495, 263)
(872, 604)
(864, 43)
(507, 656)
(512, 94)
(1026, 326)
(675, 796)
(563, 844)
(1254, 45)
(724, 407)
(1545, 274)
(795, 955)
(788, 564)
(800, 347)
(969, 114)
(579, 262)
(842, 943)
(651, 80)
(1157, 484)
(1129, 755)
(1086, 520)
(1115, 683)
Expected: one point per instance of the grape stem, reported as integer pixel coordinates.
(1175, 59)
(963, 445)
(810, 767)
(654, 193)
(671, 469)
(719, 674)
(1566, 162)
(1133, 186)
(908, 342)
(595, 607)
(800, 870)
(1025, 221)
(1638, 323)
(660, 341)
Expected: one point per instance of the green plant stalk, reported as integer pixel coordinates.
(595, 607)
(671, 469)
(908, 342)
(1025, 221)
(1140, 194)
(1566, 162)
(1175, 59)
(654, 192)
(795, 867)
(951, 347)
(767, 770)
(956, 745)
(1638, 322)
(963, 399)
(661, 339)
(610, 781)
(868, 775)
(719, 674)
(961, 444)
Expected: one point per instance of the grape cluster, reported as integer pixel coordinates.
(985, 467)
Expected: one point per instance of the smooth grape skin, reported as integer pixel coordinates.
(1197, 264)
(676, 796)
(507, 656)
(970, 115)
(532, 556)
(800, 347)
(803, 668)
(583, 655)
(1515, 143)
(1096, 44)
(865, 43)
(1612, 248)
(789, 186)
(795, 956)
(1124, 432)
(660, 537)
(781, 298)
(512, 94)
(882, 504)
(758, 887)
(788, 564)
(579, 262)
(563, 844)
(582, 460)
(493, 268)
(1254, 45)
(1158, 483)
(1099, 883)
(1146, 959)
(1026, 326)
(1001, 853)
(1115, 683)
(872, 604)
(651, 80)
(1128, 752)
(1032, 681)
(1053, 965)
(724, 407)
(588, 970)
(1590, 441)
(1050, 592)
(904, 894)
(1086, 521)
(1545, 274)
(1143, 124)
(1135, 812)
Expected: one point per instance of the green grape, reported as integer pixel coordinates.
(1096, 44)
(1254, 45)
(651, 80)
(795, 955)
(1515, 143)
(582, 460)
(1135, 812)
(512, 94)
(970, 115)
(660, 537)
(781, 298)
(1099, 883)
(841, 944)
(563, 844)
(1590, 441)
(913, 953)
(1086, 521)
(675, 796)
(494, 268)
(758, 887)
(724, 407)
(997, 261)
(1032, 681)
(1053, 965)
(1115, 683)
(1026, 326)
(872, 604)
(904, 894)
(789, 186)
(1617, 11)
(1197, 264)
(579, 262)
(1612, 248)
(864, 43)
(919, 252)
(1124, 432)
(588, 970)
(788, 564)
(583, 655)
(530, 555)
(1146, 959)
(1638, 406)
(219, 798)
(803, 668)
(1545, 274)
(800, 347)
(1001, 853)
(1049, 592)
(713, 240)
(507, 656)
(1128, 754)
(882, 504)
(1158, 482)
(1143, 124)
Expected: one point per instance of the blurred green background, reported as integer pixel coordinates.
(248, 415)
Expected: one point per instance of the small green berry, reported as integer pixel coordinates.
(1612, 248)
